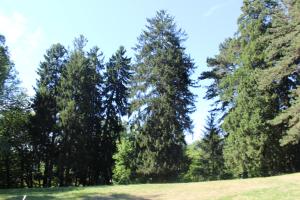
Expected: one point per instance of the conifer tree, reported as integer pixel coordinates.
(163, 100)
(283, 76)
(251, 147)
(80, 117)
(115, 105)
(44, 124)
(211, 146)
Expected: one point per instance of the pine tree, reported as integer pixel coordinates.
(162, 97)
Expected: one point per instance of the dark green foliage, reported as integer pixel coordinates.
(15, 149)
(283, 76)
(212, 151)
(44, 123)
(76, 118)
(118, 74)
(79, 103)
(162, 99)
(115, 105)
(291, 117)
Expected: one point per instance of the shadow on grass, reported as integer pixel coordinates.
(35, 193)
(30, 197)
(55, 194)
(39, 190)
(115, 197)
(88, 196)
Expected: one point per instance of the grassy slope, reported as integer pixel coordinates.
(272, 188)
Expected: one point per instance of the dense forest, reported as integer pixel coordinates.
(124, 121)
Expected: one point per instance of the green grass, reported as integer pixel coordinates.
(271, 188)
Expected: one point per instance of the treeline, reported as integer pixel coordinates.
(68, 132)
(75, 131)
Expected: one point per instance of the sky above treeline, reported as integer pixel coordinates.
(32, 26)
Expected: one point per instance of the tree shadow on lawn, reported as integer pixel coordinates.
(116, 197)
(88, 196)
(51, 194)
(30, 197)
(34, 193)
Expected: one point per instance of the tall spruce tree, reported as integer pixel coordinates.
(162, 97)
(44, 125)
(115, 105)
(80, 117)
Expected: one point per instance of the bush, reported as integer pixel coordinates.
(122, 172)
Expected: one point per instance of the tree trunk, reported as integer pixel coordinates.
(7, 171)
(46, 172)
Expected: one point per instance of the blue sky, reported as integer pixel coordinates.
(31, 26)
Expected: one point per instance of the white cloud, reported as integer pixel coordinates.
(212, 10)
(35, 38)
(24, 41)
(13, 27)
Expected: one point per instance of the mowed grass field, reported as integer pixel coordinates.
(272, 188)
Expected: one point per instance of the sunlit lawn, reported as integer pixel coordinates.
(272, 188)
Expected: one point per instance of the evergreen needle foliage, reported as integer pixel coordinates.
(162, 98)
